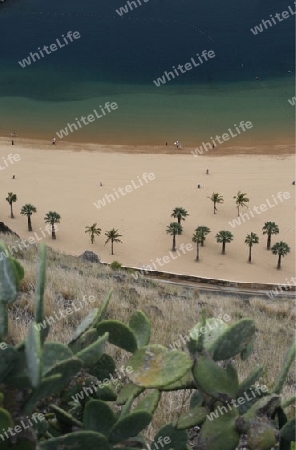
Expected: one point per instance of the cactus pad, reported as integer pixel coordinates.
(8, 357)
(288, 432)
(219, 433)
(64, 418)
(99, 417)
(168, 437)
(119, 334)
(128, 391)
(140, 325)
(49, 386)
(3, 321)
(33, 353)
(234, 339)
(214, 380)
(8, 278)
(193, 417)
(53, 353)
(85, 325)
(261, 436)
(185, 382)
(155, 366)
(103, 368)
(86, 339)
(212, 330)
(250, 380)
(5, 420)
(79, 440)
(149, 401)
(130, 425)
(92, 354)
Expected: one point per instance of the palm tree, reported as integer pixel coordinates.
(180, 214)
(216, 198)
(205, 231)
(28, 210)
(251, 239)
(112, 236)
(93, 231)
(224, 237)
(280, 249)
(11, 198)
(173, 229)
(198, 238)
(241, 200)
(270, 228)
(52, 218)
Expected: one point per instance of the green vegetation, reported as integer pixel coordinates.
(173, 229)
(115, 265)
(180, 214)
(52, 218)
(281, 249)
(224, 237)
(11, 198)
(112, 236)
(216, 198)
(250, 240)
(241, 201)
(84, 413)
(93, 231)
(270, 228)
(198, 238)
(28, 210)
(205, 231)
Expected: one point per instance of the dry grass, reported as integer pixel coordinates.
(172, 311)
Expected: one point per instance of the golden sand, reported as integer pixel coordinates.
(66, 179)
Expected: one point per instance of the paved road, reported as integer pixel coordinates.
(222, 290)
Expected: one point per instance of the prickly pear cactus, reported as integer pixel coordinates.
(85, 414)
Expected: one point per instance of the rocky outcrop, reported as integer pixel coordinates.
(90, 256)
(5, 229)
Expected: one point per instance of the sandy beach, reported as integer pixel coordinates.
(146, 184)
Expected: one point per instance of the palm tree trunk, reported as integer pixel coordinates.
(92, 238)
(237, 210)
(250, 254)
(174, 243)
(53, 235)
(29, 224)
(112, 247)
(11, 212)
(179, 222)
(215, 208)
(223, 248)
(197, 252)
(268, 242)
(279, 262)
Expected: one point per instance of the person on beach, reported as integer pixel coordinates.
(207, 172)
(54, 141)
(12, 134)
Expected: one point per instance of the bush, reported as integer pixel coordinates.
(115, 265)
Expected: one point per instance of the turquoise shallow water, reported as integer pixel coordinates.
(116, 60)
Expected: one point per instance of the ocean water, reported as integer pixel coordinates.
(117, 58)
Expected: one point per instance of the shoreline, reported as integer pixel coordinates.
(221, 150)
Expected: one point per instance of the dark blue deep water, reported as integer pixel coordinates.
(117, 58)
